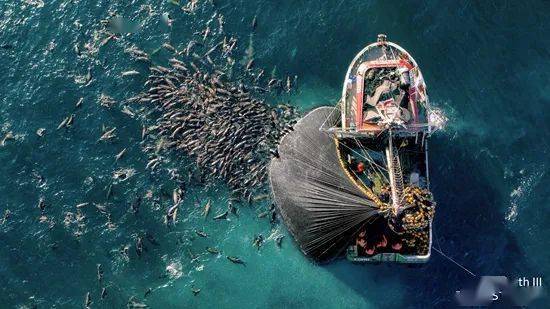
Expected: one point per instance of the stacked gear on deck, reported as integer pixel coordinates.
(413, 222)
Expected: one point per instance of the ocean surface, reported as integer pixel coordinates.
(486, 65)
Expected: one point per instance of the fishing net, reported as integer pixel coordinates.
(319, 203)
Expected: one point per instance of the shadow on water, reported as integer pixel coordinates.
(470, 229)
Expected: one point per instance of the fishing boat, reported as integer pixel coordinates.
(352, 180)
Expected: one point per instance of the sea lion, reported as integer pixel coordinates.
(143, 132)
(109, 191)
(106, 101)
(143, 59)
(169, 47)
(274, 153)
(129, 73)
(41, 204)
(139, 246)
(222, 215)
(201, 233)
(107, 135)
(273, 217)
(235, 260)
(206, 210)
(192, 256)
(63, 123)
(87, 300)
(279, 240)
(147, 292)
(120, 154)
(167, 19)
(82, 205)
(7, 214)
(152, 163)
(78, 103)
(70, 121)
(176, 195)
(212, 250)
(258, 241)
(232, 209)
(272, 82)
(133, 303)
(249, 64)
(206, 32)
(220, 20)
(260, 197)
(190, 45)
(288, 84)
(254, 22)
(211, 50)
(123, 174)
(107, 40)
(172, 213)
(99, 273)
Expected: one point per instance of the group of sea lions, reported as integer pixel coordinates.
(231, 134)
(198, 105)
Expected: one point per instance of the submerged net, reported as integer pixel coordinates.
(319, 203)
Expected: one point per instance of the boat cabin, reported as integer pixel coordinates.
(384, 87)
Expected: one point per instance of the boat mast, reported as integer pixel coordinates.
(395, 173)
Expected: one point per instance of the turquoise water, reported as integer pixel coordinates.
(486, 65)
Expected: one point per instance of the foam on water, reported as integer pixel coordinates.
(521, 193)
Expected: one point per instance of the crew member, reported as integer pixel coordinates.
(360, 167)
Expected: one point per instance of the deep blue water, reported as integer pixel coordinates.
(486, 64)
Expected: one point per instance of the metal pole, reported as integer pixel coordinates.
(389, 156)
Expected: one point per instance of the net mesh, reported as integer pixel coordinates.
(319, 203)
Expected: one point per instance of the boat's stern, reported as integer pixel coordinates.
(353, 255)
